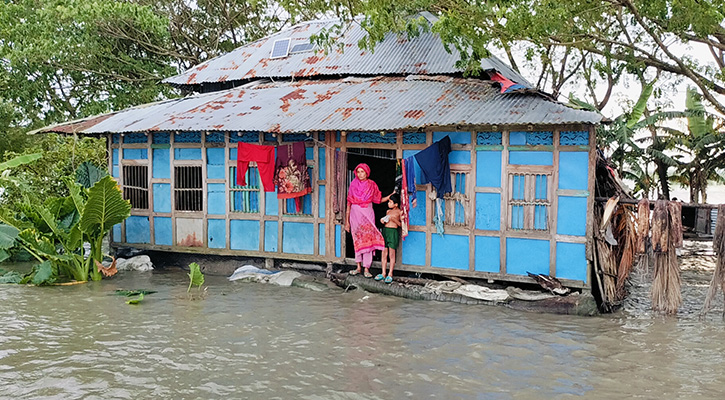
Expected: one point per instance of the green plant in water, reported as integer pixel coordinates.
(136, 300)
(55, 230)
(195, 276)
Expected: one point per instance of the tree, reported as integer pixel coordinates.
(56, 63)
(703, 146)
(608, 38)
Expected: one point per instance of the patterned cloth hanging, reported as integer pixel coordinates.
(291, 176)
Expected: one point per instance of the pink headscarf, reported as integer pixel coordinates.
(363, 192)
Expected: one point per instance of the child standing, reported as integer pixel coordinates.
(391, 235)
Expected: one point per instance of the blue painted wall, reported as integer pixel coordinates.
(135, 154)
(217, 233)
(297, 238)
(524, 255)
(117, 233)
(216, 194)
(417, 214)
(161, 168)
(163, 231)
(138, 229)
(338, 235)
(162, 197)
(531, 157)
(488, 211)
(574, 170)
(187, 154)
(321, 201)
(571, 261)
(459, 157)
(323, 165)
(321, 238)
(114, 163)
(456, 137)
(488, 253)
(215, 168)
(244, 235)
(271, 206)
(488, 168)
(449, 251)
(572, 216)
(270, 236)
(414, 248)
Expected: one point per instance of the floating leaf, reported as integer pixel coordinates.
(129, 293)
(136, 300)
(107, 271)
(195, 276)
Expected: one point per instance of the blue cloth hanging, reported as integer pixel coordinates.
(433, 162)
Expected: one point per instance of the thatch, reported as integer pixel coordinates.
(642, 225)
(666, 294)
(718, 277)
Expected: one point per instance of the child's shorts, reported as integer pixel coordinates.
(392, 237)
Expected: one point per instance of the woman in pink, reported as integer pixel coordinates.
(361, 218)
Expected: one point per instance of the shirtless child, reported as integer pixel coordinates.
(391, 235)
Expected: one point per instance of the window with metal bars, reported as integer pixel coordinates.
(529, 201)
(456, 202)
(136, 185)
(188, 192)
(244, 199)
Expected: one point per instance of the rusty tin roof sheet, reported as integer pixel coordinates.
(362, 104)
(395, 55)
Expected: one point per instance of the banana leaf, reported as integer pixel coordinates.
(19, 160)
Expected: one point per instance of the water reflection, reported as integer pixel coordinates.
(249, 340)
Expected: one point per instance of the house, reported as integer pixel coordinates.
(522, 164)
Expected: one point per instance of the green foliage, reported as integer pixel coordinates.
(54, 231)
(43, 274)
(129, 293)
(195, 276)
(79, 57)
(88, 174)
(135, 301)
(11, 277)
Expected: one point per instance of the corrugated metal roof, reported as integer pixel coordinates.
(362, 104)
(396, 55)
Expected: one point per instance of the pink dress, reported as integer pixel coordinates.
(365, 236)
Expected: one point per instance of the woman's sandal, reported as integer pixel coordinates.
(354, 272)
(367, 274)
(379, 277)
(389, 279)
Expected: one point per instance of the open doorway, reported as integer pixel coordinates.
(382, 171)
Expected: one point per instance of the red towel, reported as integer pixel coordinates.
(263, 156)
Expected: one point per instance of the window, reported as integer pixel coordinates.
(529, 201)
(188, 192)
(456, 202)
(136, 185)
(244, 199)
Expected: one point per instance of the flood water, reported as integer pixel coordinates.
(257, 341)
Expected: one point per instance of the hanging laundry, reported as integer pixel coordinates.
(404, 201)
(433, 161)
(291, 176)
(410, 181)
(263, 156)
(340, 192)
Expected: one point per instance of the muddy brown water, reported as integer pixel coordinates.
(256, 341)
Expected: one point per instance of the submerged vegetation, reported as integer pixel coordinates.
(55, 231)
